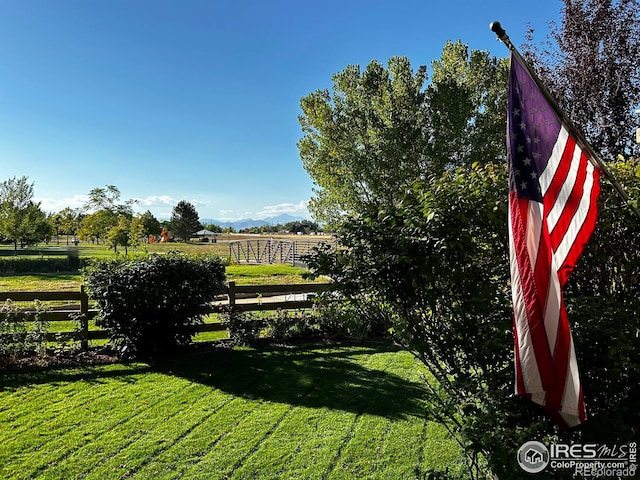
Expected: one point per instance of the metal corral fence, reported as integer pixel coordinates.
(274, 250)
(75, 306)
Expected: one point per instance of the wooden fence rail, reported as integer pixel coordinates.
(239, 298)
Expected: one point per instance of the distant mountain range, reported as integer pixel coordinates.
(249, 222)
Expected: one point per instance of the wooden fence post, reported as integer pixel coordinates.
(231, 292)
(84, 319)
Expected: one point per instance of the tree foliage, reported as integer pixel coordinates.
(429, 259)
(150, 224)
(184, 220)
(66, 222)
(365, 140)
(590, 63)
(434, 268)
(381, 129)
(96, 226)
(21, 219)
(107, 199)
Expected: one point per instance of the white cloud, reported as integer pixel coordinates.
(299, 208)
(159, 203)
(153, 200)
(54, 205)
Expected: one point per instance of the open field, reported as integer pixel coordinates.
(316, 412)
(241, 274)
(91, 250)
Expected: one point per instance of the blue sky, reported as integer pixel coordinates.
(199, 100)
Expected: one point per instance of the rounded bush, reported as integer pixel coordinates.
(152, 304)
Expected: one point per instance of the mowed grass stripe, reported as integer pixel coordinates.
(93, 455)
(53, 421)
(362, 434)
(51, 399)
(124, 421)
(355, 456)
(276, 452)
(151, 437)
(190, 449)
(188, 401)
(315, 456)
(170, 431)
(239, 441)
(340, 412)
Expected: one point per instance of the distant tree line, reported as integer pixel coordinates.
(104, 219)
(299, 226)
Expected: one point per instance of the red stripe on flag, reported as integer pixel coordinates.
(586, 229)
(560, 360)
(559, 176)
(534, 308)
(571, 206)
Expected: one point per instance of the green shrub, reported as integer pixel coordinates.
(20, 336)
(151, 304)
(287, 325)
(244, 328)
(342, 316)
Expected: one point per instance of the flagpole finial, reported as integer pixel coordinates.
(497, 29)
(500, 33)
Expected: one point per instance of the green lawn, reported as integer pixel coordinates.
(317, 412)
(241, 274)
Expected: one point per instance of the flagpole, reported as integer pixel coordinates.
(580, 140)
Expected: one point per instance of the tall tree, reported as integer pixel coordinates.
(96, 226)
(150, 224)
(66, 222)
(466, 103)
(107, 199)
(590, 63)
(21, 219)
(184, 220)
(383, 129)
(365, 141)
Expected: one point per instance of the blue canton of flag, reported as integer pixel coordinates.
(533, 130)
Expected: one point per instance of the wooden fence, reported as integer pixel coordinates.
(240, 298)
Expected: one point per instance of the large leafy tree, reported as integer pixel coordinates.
(66, 222)
(184, 220)
(149, 224)
(590, 63)
(96, 226)
(126, 233)
(365, 141)
(466, 100)
(21, 219)
(382, 129)
(108, 214)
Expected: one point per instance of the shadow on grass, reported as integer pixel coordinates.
(334, 378)
(13, 378)
(314, 378)
(34, 252)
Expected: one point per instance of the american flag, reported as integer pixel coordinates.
(553, 189)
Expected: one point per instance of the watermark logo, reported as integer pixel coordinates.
(588, 460)
(533, 457)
